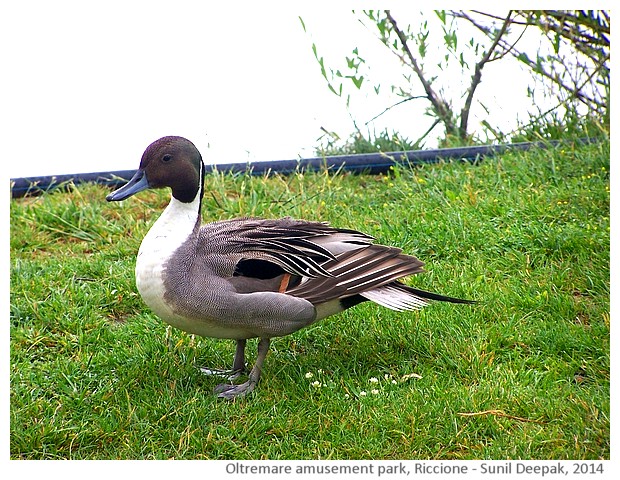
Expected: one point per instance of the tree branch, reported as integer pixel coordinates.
(477, 76)
(441, 108)
(392, 106)
(575, 92)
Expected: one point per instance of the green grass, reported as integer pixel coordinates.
(523, 374)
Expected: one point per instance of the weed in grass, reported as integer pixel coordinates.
(523, 374)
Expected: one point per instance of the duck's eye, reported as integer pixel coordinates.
(166, 158)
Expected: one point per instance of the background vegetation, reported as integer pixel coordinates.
(444, 58)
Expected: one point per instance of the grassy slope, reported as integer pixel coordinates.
(523, 374)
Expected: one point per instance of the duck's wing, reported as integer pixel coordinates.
(298, 247)
(371, 272)
(312, 261)
(315, 262)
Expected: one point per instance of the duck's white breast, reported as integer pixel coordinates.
(170, 231)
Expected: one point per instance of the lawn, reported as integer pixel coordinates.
(522, 374)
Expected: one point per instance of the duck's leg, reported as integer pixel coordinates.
(239, 361)
(238, 364)
(230, 392)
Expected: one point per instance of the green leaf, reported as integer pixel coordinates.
(450, 40)
(462, 61)
(522, 57)
(381, 27)
(422, 44)
(538, 68)
(314, 51)
(357, 81)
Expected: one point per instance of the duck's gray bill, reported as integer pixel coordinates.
(137, 183)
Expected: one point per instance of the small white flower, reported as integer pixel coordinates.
(362, 393)
(394, 382)
(346, 395)
(309, 375)
(386, 376)
(373, 380)
(374, 391)
(316, 383)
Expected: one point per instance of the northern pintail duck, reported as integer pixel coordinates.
(250, 277)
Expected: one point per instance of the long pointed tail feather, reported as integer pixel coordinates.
(434, 296)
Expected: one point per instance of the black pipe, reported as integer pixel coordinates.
(372, 163)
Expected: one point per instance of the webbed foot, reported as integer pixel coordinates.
(232, 391)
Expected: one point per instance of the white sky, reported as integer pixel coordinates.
(88, 86)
